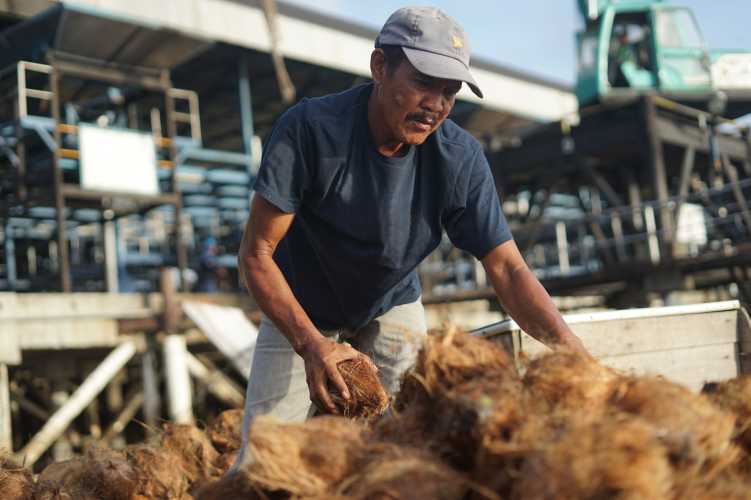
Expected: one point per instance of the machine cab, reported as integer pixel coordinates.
(633, 47)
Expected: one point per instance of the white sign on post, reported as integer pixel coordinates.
(118, 160)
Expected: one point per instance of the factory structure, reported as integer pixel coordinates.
(144, 146)
(131, 132)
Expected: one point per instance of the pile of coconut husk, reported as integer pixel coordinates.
(174, 465)
(467, 424)
(16, 482)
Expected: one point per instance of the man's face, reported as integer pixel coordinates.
(413, 104)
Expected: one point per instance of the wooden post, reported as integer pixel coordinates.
(217, 384)
(172, 311)
(152, 402)
(126, 415)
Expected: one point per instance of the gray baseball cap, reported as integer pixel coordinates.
(433, 42)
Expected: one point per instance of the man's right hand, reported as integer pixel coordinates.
(322, 356)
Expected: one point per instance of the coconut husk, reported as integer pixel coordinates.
(450, 358)
(193, 447)
(475, 412)
(99, 474)
(726, 486)
(225, 431)
(303, 459)
(16, 482)
(390, 472)
(501, 456)
(160, 472)
(566, 380)
(235, 485)
(226, 460)
(695, 432)
(734, 396)
(619, 457)
(368, 398)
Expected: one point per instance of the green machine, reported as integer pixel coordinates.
(633, 47)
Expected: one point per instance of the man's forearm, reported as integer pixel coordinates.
(274, 297)
(527, 301)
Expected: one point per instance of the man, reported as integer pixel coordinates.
(354, 191)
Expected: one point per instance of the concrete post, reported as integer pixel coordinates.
(179, 392)
(6, 432)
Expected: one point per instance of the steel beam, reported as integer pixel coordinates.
(656, 160)
(246, 110)
(57, 175)
(117, 76)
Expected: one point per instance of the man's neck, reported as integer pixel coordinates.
(384, 142)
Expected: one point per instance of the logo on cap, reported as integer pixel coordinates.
(456, 42)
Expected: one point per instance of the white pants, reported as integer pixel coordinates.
(278, 385)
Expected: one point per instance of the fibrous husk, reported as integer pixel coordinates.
(225, 431)
(303, 459)
(619, 457)
(160, 472)
(197, 454)
(226, 460)
(734, 396)
(450, 358)
(391, 472)
(368, 398)
(476, 412)
(694, 431)
(229, 486)
(15, 481)
(566, 380)
(99, 474)
(724, 486)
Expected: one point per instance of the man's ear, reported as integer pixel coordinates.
(377, 65)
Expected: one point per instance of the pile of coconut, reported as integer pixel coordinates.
(466, 424)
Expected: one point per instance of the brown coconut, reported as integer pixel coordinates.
(303, 459)
(15, 481)
(193, 447)
(160, 472)
(225, 431)
(694, 430)
(619, 457)
(566, 380)
(734, 396)
(450, 358)
(391, 472)
(368, 398)
(99, 474)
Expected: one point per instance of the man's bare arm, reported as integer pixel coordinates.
(266, 227)
(525, 299)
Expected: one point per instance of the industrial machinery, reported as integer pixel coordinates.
(646, 191)
(630, 47)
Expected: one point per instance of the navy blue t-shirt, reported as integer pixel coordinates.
(365, 221)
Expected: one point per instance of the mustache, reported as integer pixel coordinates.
(423, 117)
